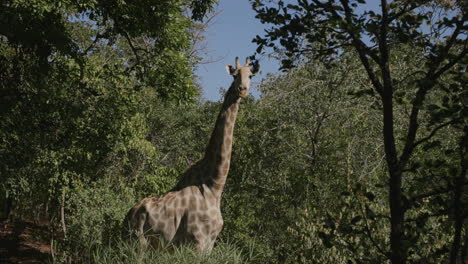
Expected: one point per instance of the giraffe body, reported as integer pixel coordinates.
(191, 211)
(188, 215)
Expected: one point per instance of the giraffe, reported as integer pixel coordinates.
(190, 212)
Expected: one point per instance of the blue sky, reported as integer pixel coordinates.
(230, 36)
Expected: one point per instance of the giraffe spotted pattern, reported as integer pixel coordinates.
(191, 211)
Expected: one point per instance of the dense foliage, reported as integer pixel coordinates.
(310, 185)
(79, 81)
(437, 32)
(99, 109)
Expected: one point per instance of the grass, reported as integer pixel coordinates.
(122, 252)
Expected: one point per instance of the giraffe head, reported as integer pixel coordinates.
(242, 76)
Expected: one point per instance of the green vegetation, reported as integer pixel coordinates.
(99, 108)
(437, 33)
(132, 253)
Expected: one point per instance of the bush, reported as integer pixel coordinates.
(95, 215)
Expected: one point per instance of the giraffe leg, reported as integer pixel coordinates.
(210, 245)
(201, 243)
(140, 232)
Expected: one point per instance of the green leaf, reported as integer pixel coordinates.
(356, 220)
(370, 196)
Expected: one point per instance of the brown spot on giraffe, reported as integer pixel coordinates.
(183, 202)
(193, 204)
(161, 225)
(191, 210)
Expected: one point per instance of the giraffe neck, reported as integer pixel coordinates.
(218, 152)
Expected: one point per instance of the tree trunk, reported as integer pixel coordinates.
(398, 254)
(62, 214)
(397, 211)
(7, 208)
(52, 249)
(457, 204)
(398, 249)
(464, 248)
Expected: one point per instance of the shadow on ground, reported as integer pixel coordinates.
(24, 242)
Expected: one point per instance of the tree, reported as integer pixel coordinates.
(291, 162)
(201, 7)
(326, 29)
(78, 82)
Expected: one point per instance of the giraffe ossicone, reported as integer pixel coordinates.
(190, 212)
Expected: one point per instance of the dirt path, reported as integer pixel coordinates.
(24, 242)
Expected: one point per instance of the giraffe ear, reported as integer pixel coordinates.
(230, 69)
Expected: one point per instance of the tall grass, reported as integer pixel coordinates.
(122, 252)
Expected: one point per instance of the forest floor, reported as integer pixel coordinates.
(24, 242)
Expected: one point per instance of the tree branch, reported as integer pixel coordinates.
(348, 20)
(361, 47)
(369, 234)
(409, 6)
(132, 47)
(439, 213)
(433, 132)
(451, 63)
(414, 199)
(426, 84)
(445, 50)
(96, 39)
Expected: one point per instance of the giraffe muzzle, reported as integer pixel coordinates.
(243, 92)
